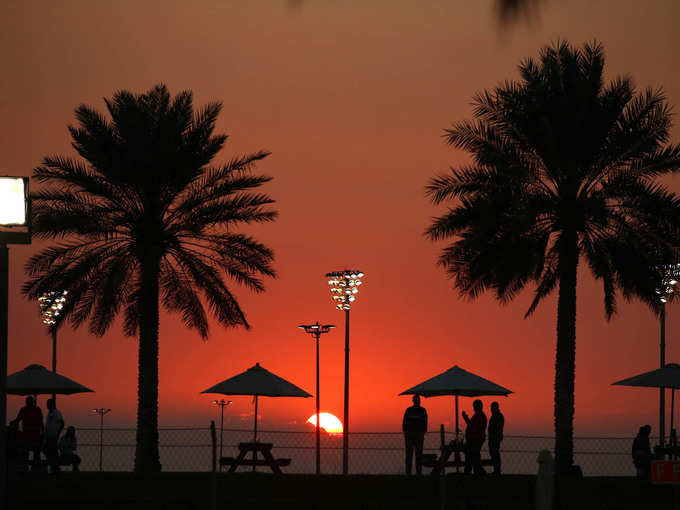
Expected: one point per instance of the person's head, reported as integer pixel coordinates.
(416, 400)
(477, 406)
(70, 431)
(29, 401)
(645, 430)
(494, 407)
(50, 404)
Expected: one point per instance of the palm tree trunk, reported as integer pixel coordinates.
(146, 454)
(565, 357)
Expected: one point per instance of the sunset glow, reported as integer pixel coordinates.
(329, 422)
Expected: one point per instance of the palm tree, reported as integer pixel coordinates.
(563, 169)
(144, 219)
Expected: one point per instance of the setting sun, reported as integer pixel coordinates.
(329, 422)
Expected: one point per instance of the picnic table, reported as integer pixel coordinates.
(455, 447)
(245, 448)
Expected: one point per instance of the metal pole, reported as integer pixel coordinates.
(255, 436)
(345, 434)
(457, 429)
(101, 437)
(318, 418)
(54, 357)
(221, 429)
(662, 391)
(4, 304)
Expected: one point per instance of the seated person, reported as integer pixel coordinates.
(17, 455)
(67, 449)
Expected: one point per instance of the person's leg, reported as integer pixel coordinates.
(477, 458)
(495, 454)
(409, 454)
(52, 454)
(76, 462)
(468, 458)
(419, 454)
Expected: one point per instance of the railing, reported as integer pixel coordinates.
(189, 449)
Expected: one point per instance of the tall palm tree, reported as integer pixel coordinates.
(563, 169)
(142, 218)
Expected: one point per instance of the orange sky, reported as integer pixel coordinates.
(351, 98)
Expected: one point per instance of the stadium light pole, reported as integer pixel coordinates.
(344, 287)
(15, 211)
(317, 330)
(667, 291)
(101, 411)
(222, 403)
(51, 304)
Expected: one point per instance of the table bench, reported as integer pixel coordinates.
(265, 449)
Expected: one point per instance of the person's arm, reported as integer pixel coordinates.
(465, 417)
(403, 422)
(425, 414)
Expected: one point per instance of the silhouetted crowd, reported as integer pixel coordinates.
(29, 438)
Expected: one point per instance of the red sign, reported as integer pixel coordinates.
(666, 471)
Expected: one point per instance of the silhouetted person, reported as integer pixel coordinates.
(495, 434)
(475, 435)
(642, 453)
(414, 427)
(16, 453)
(68, 444)
(31, 419)
(54, 424)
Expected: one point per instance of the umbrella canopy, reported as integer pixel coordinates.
(258, 382)
(458, 382)
(37, 380)
(666, 377)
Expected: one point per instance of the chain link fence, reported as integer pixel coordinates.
(189, 449)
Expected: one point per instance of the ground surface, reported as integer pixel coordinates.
(193, 491)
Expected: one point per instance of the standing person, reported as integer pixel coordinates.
(68, 444)
(495, 433)
(475, 435)
(642, 453)
(414, 426)
(31, 419)
(54, 424)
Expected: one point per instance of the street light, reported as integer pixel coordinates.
(101, 412)
(222, 403)
(15, 211)
(344, 287)
(51, 304)
(317, 330)
(666, 291)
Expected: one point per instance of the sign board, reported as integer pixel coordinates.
(666, 471)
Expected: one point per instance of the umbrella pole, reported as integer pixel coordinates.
(255, 435)
(457, 428)
(672, 432)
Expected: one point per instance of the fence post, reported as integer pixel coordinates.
(545, 481)
(213, 474)
(213, 444)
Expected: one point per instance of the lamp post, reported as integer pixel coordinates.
(222, 403)
(15, 211)
(51, 304)
(666, 291)
(317, 330)
(344, 287)
(101, 412)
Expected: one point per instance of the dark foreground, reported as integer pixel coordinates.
(193, 491)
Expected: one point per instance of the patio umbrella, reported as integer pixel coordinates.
(37, 380)
(257, 382)
(666, 377)
(458, 382)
